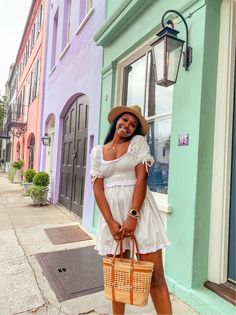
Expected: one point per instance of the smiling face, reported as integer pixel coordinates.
(126, 125)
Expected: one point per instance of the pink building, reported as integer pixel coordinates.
(26, 113)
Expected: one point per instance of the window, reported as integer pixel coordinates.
(85, 7)
(54, 40)
(67, 23)
(30, 88)
(38, 76)
(34, 81)
(23, 101)
(156, 103)
(20, 103)
(38, 22)
(32, 38)
(18, 109)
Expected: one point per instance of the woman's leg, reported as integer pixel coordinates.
(118, 308)
(159, 291)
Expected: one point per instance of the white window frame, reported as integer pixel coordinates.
(68, 26)
(220, 199)
(89, 5)
(89, 11)
(161, 199)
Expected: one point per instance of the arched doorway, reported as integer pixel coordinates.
(31, 144)
(74, 149)
(49, 151)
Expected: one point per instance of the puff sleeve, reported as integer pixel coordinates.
(95, 170)
(142, 154)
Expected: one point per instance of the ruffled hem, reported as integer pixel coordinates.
(141, 251)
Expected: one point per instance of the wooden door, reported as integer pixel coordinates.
(31, 152)
(74, 156)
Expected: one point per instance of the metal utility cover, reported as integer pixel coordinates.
(72, 273)
(66, 234)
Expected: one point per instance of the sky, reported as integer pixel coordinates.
(12, 23)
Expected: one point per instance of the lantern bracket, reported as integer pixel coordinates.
(187, 60)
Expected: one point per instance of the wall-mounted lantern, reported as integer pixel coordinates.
(46, 140)
(167, 51)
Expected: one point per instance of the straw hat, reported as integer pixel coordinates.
(133, 109)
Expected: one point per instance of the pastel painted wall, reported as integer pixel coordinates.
(189, 193)
(77, 71)
(33, 109)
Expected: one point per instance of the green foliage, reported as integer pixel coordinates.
(11, 173)
(17, 164)
(37, 191)
(29, 175)
(41, 179)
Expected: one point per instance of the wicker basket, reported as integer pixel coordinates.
(126, 280)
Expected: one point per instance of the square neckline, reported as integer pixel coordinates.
(115, 160)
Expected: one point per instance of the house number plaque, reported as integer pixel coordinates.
(183, 140)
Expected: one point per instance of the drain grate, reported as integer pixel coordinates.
(72, 273)
(66, 234)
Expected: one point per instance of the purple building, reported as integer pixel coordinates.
(71, 105)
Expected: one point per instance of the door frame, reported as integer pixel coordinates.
(231, 254)
(49, 159)
(221, 172)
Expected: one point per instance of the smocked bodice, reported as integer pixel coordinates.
(121, 171)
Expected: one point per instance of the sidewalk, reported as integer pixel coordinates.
(23, 287)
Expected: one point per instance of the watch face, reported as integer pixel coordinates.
(134, 212)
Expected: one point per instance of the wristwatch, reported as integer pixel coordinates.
(134, 213)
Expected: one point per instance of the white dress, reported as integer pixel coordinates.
(119, 182)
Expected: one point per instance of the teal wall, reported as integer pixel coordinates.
(186, 262)
(191, 167)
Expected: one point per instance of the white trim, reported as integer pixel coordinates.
(162, 202)
(90, 12)
(220, 201)
(64, 51)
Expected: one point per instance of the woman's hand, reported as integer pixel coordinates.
(128, 227)
(115, 229)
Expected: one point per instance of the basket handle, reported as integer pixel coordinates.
(134, 244)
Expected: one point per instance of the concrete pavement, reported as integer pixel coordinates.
(23, 287)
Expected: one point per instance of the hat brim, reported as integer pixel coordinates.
(116, 111)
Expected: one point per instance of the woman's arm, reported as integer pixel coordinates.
(103, 205)
(140, 187)
(129, 225)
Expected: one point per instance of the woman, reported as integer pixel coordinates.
(119, 171)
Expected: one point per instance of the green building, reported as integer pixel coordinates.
(193, 183)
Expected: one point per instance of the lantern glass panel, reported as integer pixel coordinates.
(174, 50)
(159, 53)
